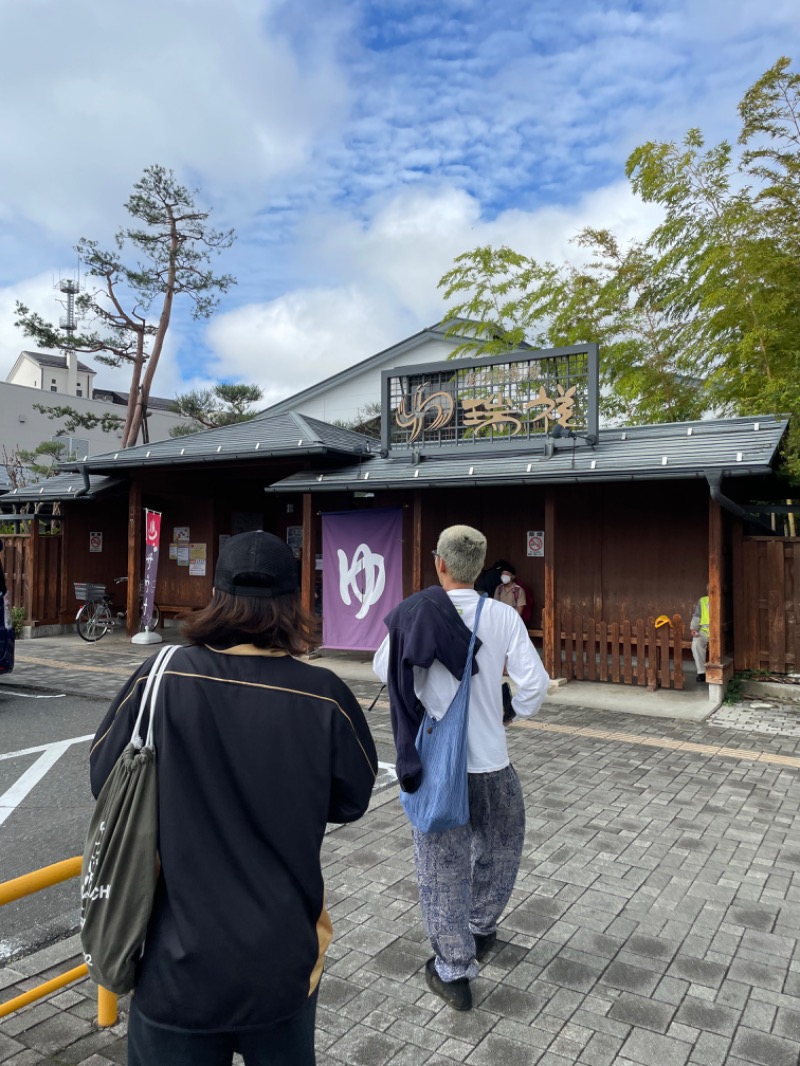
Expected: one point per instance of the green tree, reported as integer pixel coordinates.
(42, 462)
(223, 405)
(163, 254)
(700, 317)
(80, 419)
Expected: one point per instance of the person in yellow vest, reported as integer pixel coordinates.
(699, 627)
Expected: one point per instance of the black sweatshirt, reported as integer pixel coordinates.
(255, 754)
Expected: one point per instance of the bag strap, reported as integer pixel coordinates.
(473, 635)
(150, 693)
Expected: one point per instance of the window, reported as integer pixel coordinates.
(53, 388)
(75, 447)
(78, 390)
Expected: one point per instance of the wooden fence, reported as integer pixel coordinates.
(32, 564)
(630, 653)
(766, 619)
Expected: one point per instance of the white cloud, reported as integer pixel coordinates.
(389, 272)
(115, 87)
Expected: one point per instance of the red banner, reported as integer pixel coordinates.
(152, 535)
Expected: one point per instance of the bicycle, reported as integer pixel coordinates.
(94, 619)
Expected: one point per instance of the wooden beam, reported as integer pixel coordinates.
(416, 543)
(134, 555)
(716, 557)
(309, 556)
(551, 638)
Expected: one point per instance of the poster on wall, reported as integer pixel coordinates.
(294, 538)
(95, 542)
(363, 576)
(182, 557)
(535, 540)
(197, 560)
(181, 534)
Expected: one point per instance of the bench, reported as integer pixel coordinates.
(172, 611)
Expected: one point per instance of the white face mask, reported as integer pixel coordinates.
(506, 579)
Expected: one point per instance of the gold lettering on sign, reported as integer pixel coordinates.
(562, 405)
(413, 418)
(494, 411)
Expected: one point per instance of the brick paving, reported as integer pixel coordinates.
(656, 919)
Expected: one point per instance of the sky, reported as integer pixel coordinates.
(355, 146)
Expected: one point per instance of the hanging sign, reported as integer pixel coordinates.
(362, 579)
(152, 534)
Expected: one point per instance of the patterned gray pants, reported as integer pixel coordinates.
(466, 875)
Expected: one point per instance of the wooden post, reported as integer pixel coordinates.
(29, 573)
(741, 621)
(551, 640)
(64, 591)
(309, 557)
(719, 667)
(416, 545)
(715, 557)
(134, 554)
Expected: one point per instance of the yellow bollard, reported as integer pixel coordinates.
(43, 990)
(106, 1007)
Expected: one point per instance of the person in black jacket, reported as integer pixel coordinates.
(3, 588)
(256, 752)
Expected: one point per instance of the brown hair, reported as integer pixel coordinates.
(280, 623)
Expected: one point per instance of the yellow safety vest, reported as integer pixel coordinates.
(704, 615)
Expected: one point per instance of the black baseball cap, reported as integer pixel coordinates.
(258, 565)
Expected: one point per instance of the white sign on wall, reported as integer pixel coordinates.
(95, 542)
(535, 539)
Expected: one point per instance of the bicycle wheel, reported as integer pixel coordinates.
(154, 618)
(94, 621)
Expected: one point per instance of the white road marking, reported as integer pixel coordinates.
(28, 696)
(51, 753)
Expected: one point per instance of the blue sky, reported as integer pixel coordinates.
(357, 147)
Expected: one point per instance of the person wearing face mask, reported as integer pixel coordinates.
(489, 580)
(508, 591)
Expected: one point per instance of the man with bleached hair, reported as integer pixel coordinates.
(465, 875)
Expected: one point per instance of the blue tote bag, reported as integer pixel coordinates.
(441, 801)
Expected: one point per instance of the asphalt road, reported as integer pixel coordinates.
(44, 805)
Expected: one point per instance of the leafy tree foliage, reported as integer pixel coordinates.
(80, 419)
(702, 316)
(163, 254)
(210, 408)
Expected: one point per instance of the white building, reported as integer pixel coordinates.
(38, 378)
(343, 397)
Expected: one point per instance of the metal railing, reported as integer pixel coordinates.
(26, 885)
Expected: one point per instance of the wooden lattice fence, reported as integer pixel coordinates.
(627, 652)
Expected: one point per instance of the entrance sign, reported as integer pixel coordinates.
(362, 579)
(536, 543)
(499, 401)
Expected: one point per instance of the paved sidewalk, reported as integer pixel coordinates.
(656, 920)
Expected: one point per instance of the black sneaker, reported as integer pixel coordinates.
(484, 944)
(701, 679)
(457, 994)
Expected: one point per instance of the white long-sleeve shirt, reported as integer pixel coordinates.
(504, 640)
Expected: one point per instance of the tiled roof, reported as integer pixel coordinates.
(62, 487)
(281, 436)
(732, 446)
(58, 362)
